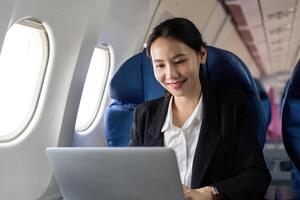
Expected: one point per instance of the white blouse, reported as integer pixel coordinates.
(183, 140)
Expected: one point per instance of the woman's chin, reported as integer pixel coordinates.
(177, 93)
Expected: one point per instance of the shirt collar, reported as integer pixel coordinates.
(169, 118)
(197, 114)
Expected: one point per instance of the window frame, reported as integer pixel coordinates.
(82, 129)
(43, 34)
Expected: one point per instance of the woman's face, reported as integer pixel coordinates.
(176, 66)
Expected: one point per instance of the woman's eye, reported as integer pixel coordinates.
(159, 65)
(179, 62)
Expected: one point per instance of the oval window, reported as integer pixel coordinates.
(23, 61)
(93, 88)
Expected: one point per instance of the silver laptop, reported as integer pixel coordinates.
(116, 173)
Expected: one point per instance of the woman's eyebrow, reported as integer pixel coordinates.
(178, 55)
(174, 57)
(158, 60)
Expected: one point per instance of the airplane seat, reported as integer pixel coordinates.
(284, 90)
(225, 69)
(135, 83)
(291, 123)
(132, 84)
(265, 101)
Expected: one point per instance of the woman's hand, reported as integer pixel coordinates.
(203, 193)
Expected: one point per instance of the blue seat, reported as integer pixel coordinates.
(135, 83)
(131, 85)
(225, 69)
(265, 101)
(291, 122)
(284, 93)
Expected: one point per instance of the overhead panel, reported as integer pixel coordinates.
(248, 21)
(278, 19)
(270, 29)
(294, 55)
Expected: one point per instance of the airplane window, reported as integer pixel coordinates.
(23, 61)
(93, 88)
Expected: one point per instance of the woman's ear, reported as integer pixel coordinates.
(203, 55)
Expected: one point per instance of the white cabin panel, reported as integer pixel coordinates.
(24, 170)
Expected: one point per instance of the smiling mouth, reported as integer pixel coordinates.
(177, 84)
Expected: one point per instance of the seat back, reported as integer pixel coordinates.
(291, 119)
(135, 83)
(225, 69)
(132, 84)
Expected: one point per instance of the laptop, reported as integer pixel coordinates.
(129, 173)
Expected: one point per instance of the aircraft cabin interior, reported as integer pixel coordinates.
(72, 73)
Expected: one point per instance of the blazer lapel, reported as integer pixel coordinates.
(209, 134)
(157, 123)
(208, 139)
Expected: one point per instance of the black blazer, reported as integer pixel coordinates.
(228, 155)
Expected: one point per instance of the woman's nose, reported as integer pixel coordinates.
(171, 72)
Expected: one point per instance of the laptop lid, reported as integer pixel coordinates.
(127, 173)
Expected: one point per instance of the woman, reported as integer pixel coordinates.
(212, 130)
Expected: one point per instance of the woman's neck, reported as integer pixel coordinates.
(184, 106)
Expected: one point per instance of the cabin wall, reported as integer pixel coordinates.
(125, 33)
(24, 170)
(6, 7)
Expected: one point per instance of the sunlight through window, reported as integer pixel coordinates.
(93, 88)
(22, 67)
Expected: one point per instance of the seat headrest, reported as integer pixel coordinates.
(134, 82)
(291, 117)
(224, 69)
